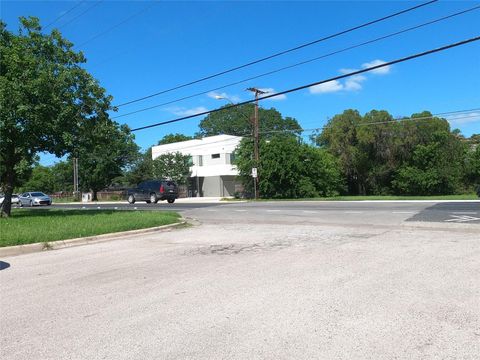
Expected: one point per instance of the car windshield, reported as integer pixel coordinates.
(38, 194)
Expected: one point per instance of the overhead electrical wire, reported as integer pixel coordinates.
(393, 121)
(283, 52)
(118, 24)
(65, 13)
(400, 60)
(81, 14)
(301, 63)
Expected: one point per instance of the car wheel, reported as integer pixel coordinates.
(131, 199)
(153, 198)
(171, 201)
(148, 201)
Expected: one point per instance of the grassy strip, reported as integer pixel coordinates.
(374, 197)
(33, 226)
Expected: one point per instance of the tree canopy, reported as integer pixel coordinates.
(381, 155)
(45, 96)
(238, 121)
(289, 169)
(173, 138)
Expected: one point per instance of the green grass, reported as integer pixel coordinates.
(374, 197)
(33, 226)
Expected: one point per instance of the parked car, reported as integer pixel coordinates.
(35, 198)
(15, 199)
(153, 191)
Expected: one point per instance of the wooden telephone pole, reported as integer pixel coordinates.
(256, 132)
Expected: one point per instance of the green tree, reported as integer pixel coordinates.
(473, 168)
(238, 121)
(63, 176)
(140, 170)
(41, 179)
(173, 138)
(45, 96)
(172, 166)
(431, 157)
(104, 150)
(340, 138)
(289, 169)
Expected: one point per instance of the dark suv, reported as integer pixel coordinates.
(152, 191)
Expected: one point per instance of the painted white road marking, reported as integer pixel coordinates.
(241, 210)
(353, 212)
(309, 212)
(273, 210)
(465, 212)
(403, 212)
(212, 210)
(462, 218)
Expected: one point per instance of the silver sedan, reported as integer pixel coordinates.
(34, 198)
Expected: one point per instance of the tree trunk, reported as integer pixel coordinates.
(6, 207)
(94, 197)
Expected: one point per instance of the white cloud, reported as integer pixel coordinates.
(328, 87)
(270, 91)
(460, 119)
(180, 111)
(346, 71)
(216, 95)
(380, 71)
(353, 83)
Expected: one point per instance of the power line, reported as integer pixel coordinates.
(301, 63)
(118, 24)
(280, 53)
(81, 14)
(65, 13)
(407, 58)
(445, 114)
(248, 135)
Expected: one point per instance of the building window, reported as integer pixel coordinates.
(200, 160)
(215, 156)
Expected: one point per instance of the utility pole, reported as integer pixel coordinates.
(256, 140)
(75, 177)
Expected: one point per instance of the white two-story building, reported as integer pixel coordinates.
(212, 172)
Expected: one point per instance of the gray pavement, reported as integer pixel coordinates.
(256, 281)
(378, 212)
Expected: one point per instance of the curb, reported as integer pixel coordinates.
(61, 244)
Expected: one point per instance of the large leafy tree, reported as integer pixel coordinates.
(290, 169)
(340, 138)
(104, 150)
(238, 121)
(172, 166)
(45, 97)
(380, 155)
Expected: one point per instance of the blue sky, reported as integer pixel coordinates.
(135, 48)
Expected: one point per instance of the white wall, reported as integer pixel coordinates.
(220, 144)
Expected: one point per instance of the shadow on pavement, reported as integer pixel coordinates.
(4, 265)
(464, 212)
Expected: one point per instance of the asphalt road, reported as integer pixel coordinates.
(315, 211)
(256, 281)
